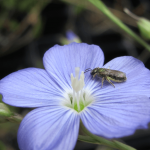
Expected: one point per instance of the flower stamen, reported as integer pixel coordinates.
(77, 85)
(78, 98)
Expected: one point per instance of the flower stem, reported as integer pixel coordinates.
(87, 139)
(15, 118)
(101, 6)
(91, 138)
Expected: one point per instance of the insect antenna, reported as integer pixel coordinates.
(89, 69)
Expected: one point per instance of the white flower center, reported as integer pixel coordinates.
(77, 85)
(79, 98)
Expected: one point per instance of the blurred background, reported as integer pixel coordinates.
(30, 27)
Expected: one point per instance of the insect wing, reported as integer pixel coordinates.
(116, 75)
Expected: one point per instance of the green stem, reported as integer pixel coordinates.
(87, 139)
(99, 139)
(113, 144)
(15, 118)
(101, 6)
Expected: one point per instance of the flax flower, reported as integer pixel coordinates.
(62, 95)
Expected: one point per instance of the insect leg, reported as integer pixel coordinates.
(94, 76)
(108, 79)
(102, 81)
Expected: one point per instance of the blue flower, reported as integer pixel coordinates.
(63, 95)
(72, 37)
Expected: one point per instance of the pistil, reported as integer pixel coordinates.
(77, 86)
(78, 98)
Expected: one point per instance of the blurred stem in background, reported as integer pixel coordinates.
(31, 24)
(91, 138)
(101, 6)
(7, 114)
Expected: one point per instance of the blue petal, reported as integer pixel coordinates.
(49, 128)
(118, 118)
(138, 79)
(30, 88)
(71, 35)
(60, 61)
(119, 111)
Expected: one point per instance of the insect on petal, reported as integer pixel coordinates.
(60, 61)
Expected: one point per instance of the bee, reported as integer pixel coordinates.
(108, 74)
